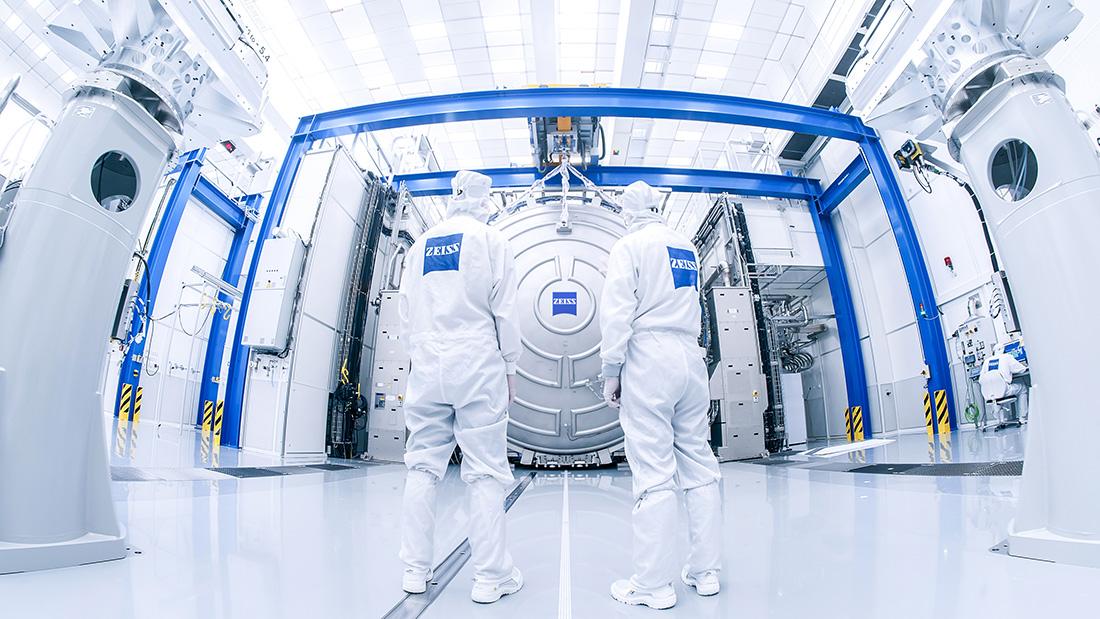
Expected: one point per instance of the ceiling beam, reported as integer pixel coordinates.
(544, 31)
(676, 179)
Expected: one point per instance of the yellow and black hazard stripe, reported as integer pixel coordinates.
(928, 415)
(137, 404)
(218, 423)
(137, 417)
(848, 424)
(945, 447)
(857, 423)
(207, 421)
(124, 404)
(943, 419)
(125, 401)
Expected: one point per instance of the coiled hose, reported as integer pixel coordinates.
(795, 362)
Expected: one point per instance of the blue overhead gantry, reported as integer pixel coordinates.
(640, 103)
(239, 215)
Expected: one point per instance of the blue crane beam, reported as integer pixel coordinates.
(602, 102)
(676, 179)
(635, 103)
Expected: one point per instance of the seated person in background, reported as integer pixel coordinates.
(996, 380)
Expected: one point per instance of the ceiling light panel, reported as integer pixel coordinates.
(697, 10)
(437, 59)
(321, 28)
(439, 72)
(430, 46)
(419, 12)
(426, 31)
(361, 41)
(662, 23)
(572, 9)
(499, 7)
(504, 37)
(353, 22)
(497, 23)
(509, 65)
(725, 30)
(336, 5)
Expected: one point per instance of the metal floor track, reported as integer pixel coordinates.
(412, 606)
(1010, 468)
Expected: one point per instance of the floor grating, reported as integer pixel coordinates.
(133, 473)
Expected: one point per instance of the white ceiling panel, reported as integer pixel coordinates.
(703, 11)
(347, 52)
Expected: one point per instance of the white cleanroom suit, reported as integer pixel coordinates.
(457, 306)
(650, 320)
(996, 382)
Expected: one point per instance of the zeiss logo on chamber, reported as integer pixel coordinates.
(563, 303)
(684, 270)
(442, 253)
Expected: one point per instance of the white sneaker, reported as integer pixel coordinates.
(415, 581)
(489, 592)
(660, 598)
(705, 583)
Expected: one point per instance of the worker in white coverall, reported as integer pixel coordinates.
(996, 382)
(457, 306)
(653, 366)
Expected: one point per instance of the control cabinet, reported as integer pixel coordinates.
(976, 341)
(389, 375)
(737, 385)
(271, 306)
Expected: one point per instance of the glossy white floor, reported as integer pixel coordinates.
(800, 543)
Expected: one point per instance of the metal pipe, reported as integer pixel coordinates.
(8, 90)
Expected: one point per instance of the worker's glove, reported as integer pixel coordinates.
(511, 388)
(612, 390)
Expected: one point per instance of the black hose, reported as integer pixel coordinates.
(603, 143)
(1009, 300)
(985, 226)
(147, 323)
(148, 283)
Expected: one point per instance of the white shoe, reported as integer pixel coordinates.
(705, 583)
(489, 592)
(415, 581)
(659, 598)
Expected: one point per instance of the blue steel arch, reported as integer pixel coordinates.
(639, 103)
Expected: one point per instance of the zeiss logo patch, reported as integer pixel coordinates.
(684, 270)
(563, 303)
(994, 364)
(442, 253)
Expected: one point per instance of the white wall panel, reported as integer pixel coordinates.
(835, 400)
(782, 233)
(946, 225)
(295, 404)
(891, 287)
(327, 268)
(313, 348)
(906, 355)
(174, 355)
(305, 194)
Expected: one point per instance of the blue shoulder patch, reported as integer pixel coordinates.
(994, 364)
(685, 272)
(442, 253)
(563, 303)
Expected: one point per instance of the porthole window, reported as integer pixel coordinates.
(1013, 170)
(114, 181)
